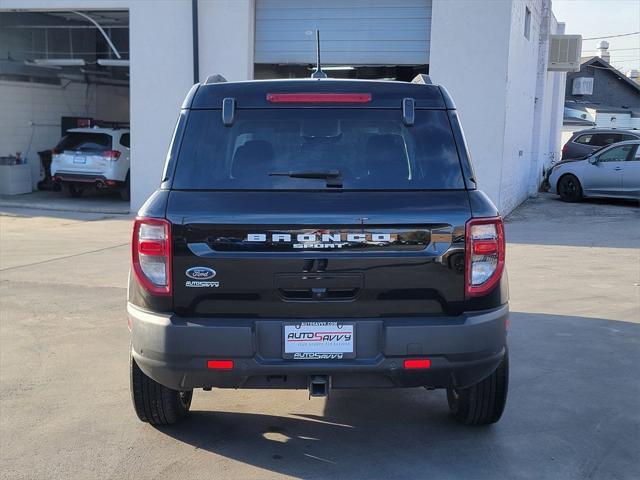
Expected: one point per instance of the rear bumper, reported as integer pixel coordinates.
(87, 178)
(174, 351)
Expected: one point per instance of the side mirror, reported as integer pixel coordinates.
(593, 160)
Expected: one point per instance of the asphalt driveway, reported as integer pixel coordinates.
(573, 410)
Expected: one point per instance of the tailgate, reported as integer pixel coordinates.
(318, 254)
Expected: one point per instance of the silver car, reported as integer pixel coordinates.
(612, 171)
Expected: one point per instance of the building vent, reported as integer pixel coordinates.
(564, 53)
(582, 86)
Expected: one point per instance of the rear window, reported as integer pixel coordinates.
(367, 148)
(85, 141)
(602, 139)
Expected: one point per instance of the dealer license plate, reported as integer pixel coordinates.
(319, 340)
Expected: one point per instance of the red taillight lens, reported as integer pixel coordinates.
(416, 363)
(151, 254)
(485, 251)
(55, 151)
(220, 364)
(113, 154)
(319, 97)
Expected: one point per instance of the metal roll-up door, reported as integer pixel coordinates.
(353, 32)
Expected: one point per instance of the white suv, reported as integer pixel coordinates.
(92, 157)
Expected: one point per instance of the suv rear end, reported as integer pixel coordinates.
(318, 234)
(92, 158)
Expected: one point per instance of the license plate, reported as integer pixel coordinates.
(319, 340)
(80, 159)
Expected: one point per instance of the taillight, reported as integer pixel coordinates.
(56, 151)
(113, 154)
(151, 254)
(485, 249)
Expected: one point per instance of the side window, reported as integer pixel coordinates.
(603, 139)
(616, 154)
(124, 140)
(636, 156)
(624, 138)
(583, 139)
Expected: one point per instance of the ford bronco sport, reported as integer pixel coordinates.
(318, 234)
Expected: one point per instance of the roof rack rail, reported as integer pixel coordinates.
(423, 79)
(217, 78)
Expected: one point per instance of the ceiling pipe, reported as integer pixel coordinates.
(104, 34)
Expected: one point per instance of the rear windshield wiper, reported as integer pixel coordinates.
(333, 177)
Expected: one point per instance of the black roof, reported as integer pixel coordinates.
(253, 94)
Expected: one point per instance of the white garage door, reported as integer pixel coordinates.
(352, 32)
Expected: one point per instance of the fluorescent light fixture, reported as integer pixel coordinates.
(339, 67)
(60, 62)
(106, 62)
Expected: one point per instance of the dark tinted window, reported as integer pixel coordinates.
(124, 140)
(371, 149)
(602, 139)
(624, 138)
(85, 141)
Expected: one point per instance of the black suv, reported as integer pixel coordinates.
(318, 234)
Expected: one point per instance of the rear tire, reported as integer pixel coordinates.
(569, 188)
(484, 402)
(71, 190)
(154, 403)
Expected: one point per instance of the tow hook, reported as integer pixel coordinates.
(319, 386)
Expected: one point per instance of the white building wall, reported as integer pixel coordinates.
(524, 65)
(226, 33)
(512, 105)
(30, 117)
(469, 45)
(161, 75)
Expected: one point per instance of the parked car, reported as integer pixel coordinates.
(612, 171)
(92, 157)
(318, 234)
(585, 142)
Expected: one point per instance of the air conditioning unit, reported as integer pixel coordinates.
(582, 86)
(564, 53)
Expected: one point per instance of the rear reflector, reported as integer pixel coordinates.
(417, 363)
(319, 97)
(220, 364)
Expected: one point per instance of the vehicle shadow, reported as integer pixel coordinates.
(571, 413)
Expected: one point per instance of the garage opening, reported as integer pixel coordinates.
(369, 39)
(64, 87)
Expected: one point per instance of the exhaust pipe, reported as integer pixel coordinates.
(319, 386)
(99, 184)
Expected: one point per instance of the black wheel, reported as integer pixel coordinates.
(155, 403)
(482, 403)
(125, 192)
(569, 188)
(71, 190)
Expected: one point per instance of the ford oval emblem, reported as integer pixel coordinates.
(200, 273)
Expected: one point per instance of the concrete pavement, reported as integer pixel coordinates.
(572, 412)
